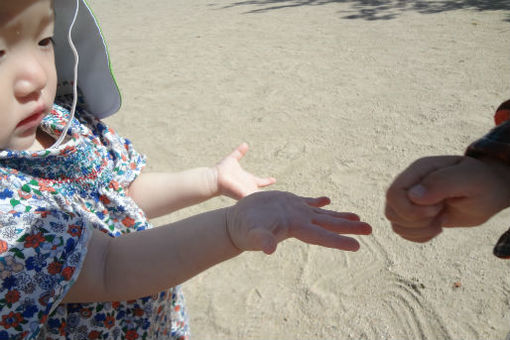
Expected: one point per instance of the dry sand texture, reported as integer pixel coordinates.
(334, 98)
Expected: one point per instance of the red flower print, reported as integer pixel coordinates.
(43, 213)
(24, 195)
(115, 185)
(43, 300)
(33, 241)
(67, 273)
(45, 187)
(11, 320)
(138, 311)
(128, 222)
(86, 312)
(12, 296)
(54, 268)
(131, 335)
(62, 328)
(115, 304)
(67, 150)
(74, 230)
(104, 199)
(132, 166)
(94, 335)
(4, 246)
(109, 322)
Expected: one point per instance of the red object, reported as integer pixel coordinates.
(502, 113)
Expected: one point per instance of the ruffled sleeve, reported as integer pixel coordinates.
(42, 247)
(128, 163)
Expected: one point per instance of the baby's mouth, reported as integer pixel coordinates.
(31, 119)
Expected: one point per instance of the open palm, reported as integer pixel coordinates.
(235, 182)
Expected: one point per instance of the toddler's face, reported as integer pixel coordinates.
(28, 78)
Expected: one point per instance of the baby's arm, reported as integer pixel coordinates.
(143, 263)
(146, 262)
(161, 193)
(158, 193)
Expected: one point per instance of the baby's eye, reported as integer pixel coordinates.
(47, 42)
(2, 53)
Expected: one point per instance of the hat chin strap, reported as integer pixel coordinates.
(75, 83)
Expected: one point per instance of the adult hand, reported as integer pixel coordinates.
(233, 181)
(446, 191)
(262, 220)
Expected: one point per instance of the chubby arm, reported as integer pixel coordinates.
(158, 194)
(161, 193)
(143, 263)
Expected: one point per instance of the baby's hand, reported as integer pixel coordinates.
(446, 191)
(262, 220)
(233, 181)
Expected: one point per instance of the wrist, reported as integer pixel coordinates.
(502, 171)
(212, 181)
(229, 224)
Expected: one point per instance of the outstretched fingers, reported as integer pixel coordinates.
(313, 234)
(240, 151)
(345, 215)
(317, 202)
(341, 225)
(264, 182)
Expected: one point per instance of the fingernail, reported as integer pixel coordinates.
(417, 191)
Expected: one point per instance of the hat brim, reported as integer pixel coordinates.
(101, 95)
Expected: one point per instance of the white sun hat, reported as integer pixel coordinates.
(76, 30)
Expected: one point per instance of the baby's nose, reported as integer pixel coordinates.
(32, 78)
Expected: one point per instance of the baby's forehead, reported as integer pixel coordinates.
(10, 10)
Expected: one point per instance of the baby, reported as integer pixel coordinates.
(78, 256)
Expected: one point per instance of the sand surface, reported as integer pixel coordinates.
(335, 98)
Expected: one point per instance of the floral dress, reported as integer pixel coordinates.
(49, 202)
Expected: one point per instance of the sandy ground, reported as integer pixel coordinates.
(335, 98)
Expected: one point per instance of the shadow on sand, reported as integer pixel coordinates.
(382, 9)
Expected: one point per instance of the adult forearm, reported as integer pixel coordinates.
(158, 194)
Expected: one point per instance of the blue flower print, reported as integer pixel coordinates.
(6, 193)
(37, 262)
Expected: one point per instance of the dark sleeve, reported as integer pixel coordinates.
(496, 143)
